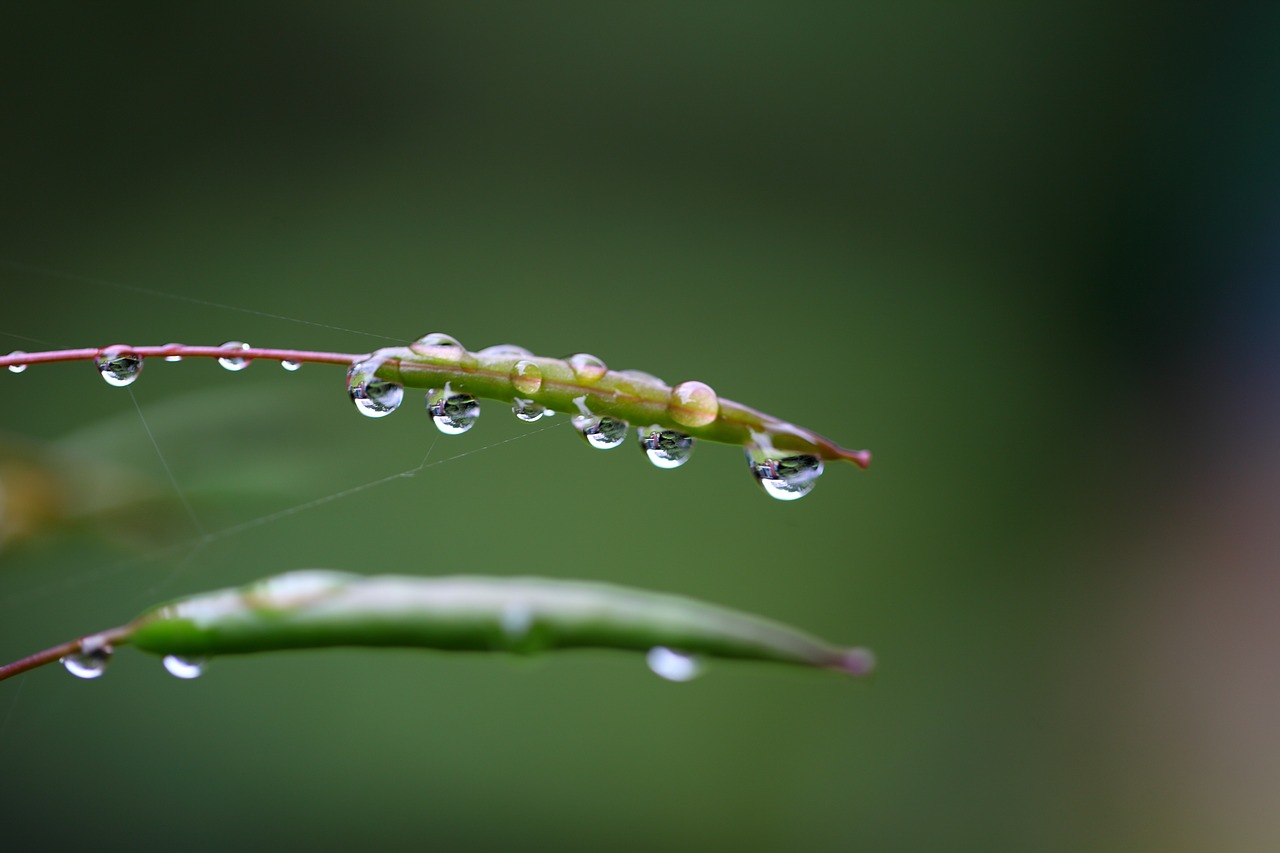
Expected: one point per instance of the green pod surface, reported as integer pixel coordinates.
(319, 608)
(563, 385)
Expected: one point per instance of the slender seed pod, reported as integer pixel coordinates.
(604, 404)
(319, 608)
(583, 384)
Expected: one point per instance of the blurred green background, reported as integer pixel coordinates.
(1025, 253)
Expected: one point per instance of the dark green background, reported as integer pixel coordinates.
(1025, 253)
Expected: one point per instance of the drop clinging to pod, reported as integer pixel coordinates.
(605, 404)
(784, 458)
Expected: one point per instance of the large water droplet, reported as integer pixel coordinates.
(232, 362)
(528, 411)
(672, 665)
(526, 377)
(453, 414)
(693, 404)
(172, 357)
(17, 368)
(603, 433)
(507, 350)
(666, 448)
(185, 668)
(438, 345)
(587, 368)
(788, 478)
(290, 365)
(374, 397)
(438, 339)
(90, 662)
(118, 366)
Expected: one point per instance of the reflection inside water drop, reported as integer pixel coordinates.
(89, 662)
(602, 433)
(785, 479)
(290, 365)
(526, 377)
(172, 357)
(672, 665)
(587, 368)
(666, 448)
(232, 362)
(374, 397)
(185, 668)
(453, 414)
(118, 366)
(528, 411)
(17, 368)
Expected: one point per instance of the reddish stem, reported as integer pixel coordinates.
(185, 351)
(111, 637)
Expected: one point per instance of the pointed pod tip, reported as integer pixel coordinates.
(861, 458)
(857, 662)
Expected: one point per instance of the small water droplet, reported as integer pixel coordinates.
(17, 368)
(666, 448)
(90, 662)
(172, 357)
(587, 368)
(528, 411)
(526, 377)
(374, 397)
(785, 479)
(436, 340)
(118, 366)
(185, 668)
(231, 362)
(453, 414)
(672, 665)
(641, 377)
(507, 350)
(290, 365)
(602, 433)
(693, 404)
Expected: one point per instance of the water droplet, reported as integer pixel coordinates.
(508, 350)
(118, 366)
(526, 377)
(290, 365)
(453, 414)
(587, 368)
(231, 362)
(528, 411)
(788, 478)
(17, 368)
(437, 341)
(672, 665)
(374, 397)
(666, 448)
(172, 357)
(693, 404)
(185, 668)
(602, 433)
(90, 662)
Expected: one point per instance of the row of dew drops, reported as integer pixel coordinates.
(694, 404)
(91, 662)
